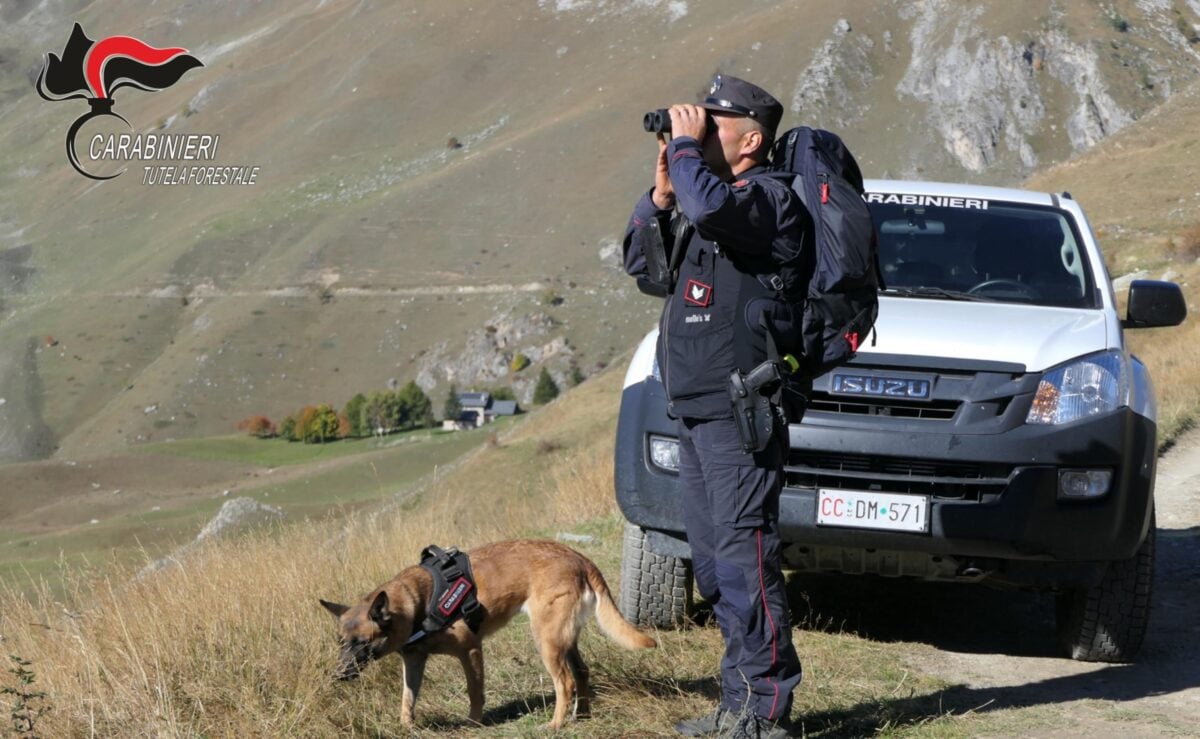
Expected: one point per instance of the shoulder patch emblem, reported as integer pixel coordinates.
(697, 294)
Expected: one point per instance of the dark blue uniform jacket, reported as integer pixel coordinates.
(711, 323)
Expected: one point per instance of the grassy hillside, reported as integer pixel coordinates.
(233, 642)
(149, 502)
(435, 174)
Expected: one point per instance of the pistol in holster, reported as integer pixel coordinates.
(755, 398)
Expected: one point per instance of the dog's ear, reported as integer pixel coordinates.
(337, 609)
(378, 611)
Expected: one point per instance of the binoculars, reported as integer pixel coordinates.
(659, 121)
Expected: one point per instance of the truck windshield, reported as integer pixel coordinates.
(1007, 252)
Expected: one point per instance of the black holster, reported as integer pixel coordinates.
(662, 261)
(658, 280)
(755, 400)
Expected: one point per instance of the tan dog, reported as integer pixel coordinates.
(559, 588)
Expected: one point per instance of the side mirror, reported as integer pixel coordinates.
(1154, 303)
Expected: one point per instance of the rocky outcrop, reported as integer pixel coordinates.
(486, 356)
(969, 97)
(840, 68)
(984, 95)
(234, 516)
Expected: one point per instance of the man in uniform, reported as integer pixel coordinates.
(736, 222)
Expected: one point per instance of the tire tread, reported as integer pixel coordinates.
(655, 589)
(1107, 622)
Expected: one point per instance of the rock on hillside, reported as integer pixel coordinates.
(486, 358)
(234, 516)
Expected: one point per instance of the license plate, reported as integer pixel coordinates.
(863, 510)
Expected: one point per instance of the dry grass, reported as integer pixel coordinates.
(1186, 246)
(233, 643)
(1172, 356)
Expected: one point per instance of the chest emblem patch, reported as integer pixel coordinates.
(698, 294)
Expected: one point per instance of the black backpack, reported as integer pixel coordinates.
(842, 299)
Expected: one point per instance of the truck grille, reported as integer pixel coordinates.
(933, 410)
(968, 481)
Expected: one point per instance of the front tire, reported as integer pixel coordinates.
(656, 590)
(1107, 622)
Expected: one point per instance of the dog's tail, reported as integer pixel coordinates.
(610, 619)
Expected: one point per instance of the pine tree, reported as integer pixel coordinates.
(546, 389)
(452, 408)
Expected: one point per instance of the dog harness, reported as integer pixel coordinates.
(453, 594)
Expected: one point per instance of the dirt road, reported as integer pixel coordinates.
(1157, 696)
(997, 650)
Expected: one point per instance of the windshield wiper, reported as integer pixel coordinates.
(936, 292)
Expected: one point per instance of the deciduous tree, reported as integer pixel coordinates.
(287, 428)
(353, 413)
(381, 413)
(503, 392)
(259, 426)
(417, 408)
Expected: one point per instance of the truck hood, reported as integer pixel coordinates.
(1035, 336)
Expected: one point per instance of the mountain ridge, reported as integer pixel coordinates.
(444, 146)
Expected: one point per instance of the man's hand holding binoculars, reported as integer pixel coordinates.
(664, 193)
(686, 120)
(689, 120)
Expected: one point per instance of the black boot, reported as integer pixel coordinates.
(753, 727)
(709, 725)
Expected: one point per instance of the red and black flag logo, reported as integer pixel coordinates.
(94, 70)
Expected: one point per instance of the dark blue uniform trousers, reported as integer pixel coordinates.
(731, 510)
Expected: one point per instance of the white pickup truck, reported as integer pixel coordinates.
(995, 430)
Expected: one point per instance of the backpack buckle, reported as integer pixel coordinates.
(776, 283)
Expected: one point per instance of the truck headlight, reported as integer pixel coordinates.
(664, 452)
(1083, 388)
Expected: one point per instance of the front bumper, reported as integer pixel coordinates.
(1022, 518)
(1013, 515)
